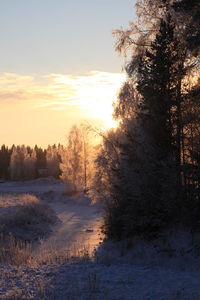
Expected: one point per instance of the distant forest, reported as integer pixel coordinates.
(73, 163)
(24, 162)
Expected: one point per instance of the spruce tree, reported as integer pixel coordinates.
(144, 176)
(159, 82)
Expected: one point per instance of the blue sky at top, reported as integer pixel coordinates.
(58, 66)
(61, 36)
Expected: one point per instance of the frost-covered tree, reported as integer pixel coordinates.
(188, 13)
(77, 159)
(72, 159)
(14, 164)
(140, 162)
(29, 165)
(41, 162)
(17, 163)
(53, 161)
(22, 163)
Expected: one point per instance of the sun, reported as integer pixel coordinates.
(103, 111)
(99, 108)
(97, 96)
(91, 95)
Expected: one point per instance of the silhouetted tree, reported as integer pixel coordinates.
(141, 164)
(5, 154)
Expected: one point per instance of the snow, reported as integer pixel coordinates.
(80, 228)
(89, 280)
(167, 268)
(80, 220)
(36, 186)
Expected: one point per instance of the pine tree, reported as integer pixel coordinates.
(159, 82)
(143, 178)
(188, 12)
(5, 154)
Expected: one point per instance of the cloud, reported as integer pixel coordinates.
(92, 93)
(16, 87)
(42, 109)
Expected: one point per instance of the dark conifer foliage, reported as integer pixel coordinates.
(5, 154)
(25, 163)
(41, 162)
(191, 10)
(148, 169)
(149, 209)
(159, 73)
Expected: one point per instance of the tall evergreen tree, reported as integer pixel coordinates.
(5, 154)
(143, 181)
(189, 10)
(160, 75)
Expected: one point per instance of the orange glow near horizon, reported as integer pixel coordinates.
(42, 110)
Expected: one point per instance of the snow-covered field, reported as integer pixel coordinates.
(88, 280)
(80, 221)
(37, 186)
(168, 268)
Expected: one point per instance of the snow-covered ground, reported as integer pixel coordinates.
(80, 220)
(167, 269)
(79, 230)
(91, 280)
(37, 186)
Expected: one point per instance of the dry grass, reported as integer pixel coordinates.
(24, 220)
(14, 252)
(72, 254)
(20, 253)
(25, 216)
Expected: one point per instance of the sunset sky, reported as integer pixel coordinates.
(58, 66)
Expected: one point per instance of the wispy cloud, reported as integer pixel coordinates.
(42, 109)
(92, 92)
(91, 89)
(16, 87)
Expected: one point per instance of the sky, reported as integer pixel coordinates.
(58, 66)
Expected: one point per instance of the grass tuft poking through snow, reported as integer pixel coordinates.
(23, 220)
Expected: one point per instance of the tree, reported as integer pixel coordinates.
(160, 75)
(22, 163)
(16, 163)
(41, 162)
(77, 159)
(71, 166)
(5, 154)
(143, 177)
(29, 170)
(188, 12)
(53, 161)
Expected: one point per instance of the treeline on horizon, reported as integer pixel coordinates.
(24, 162)
(73, 163)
